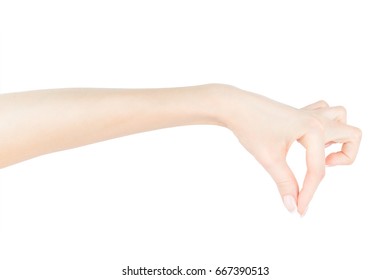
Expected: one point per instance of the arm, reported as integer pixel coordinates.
(44, 121)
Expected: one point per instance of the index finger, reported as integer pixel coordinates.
(315, 161)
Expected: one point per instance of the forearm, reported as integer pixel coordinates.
(44, 121)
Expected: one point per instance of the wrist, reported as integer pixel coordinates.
(222, 104)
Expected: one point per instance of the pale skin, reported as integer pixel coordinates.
(39, 122)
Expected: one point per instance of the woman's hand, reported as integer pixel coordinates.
(267, 129)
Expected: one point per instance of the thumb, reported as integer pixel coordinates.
(285, 181)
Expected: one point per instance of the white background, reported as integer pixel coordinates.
(192, 196)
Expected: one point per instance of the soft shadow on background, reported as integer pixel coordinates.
(192, 196)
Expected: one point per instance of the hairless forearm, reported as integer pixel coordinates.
(44, 121)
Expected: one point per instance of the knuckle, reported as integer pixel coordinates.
(286, 186)
(350, 159)
(357, 134)
(323, 103)
(342, 111)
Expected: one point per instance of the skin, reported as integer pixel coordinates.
(45, 121)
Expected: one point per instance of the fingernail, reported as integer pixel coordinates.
(289, 203)
(304, 212)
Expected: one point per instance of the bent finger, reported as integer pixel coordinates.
(350, 137)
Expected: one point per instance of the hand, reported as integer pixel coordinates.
(267, 129)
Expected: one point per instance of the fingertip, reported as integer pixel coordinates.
(329, 160)
(302, 207)
(304, 199)
(304, 212)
